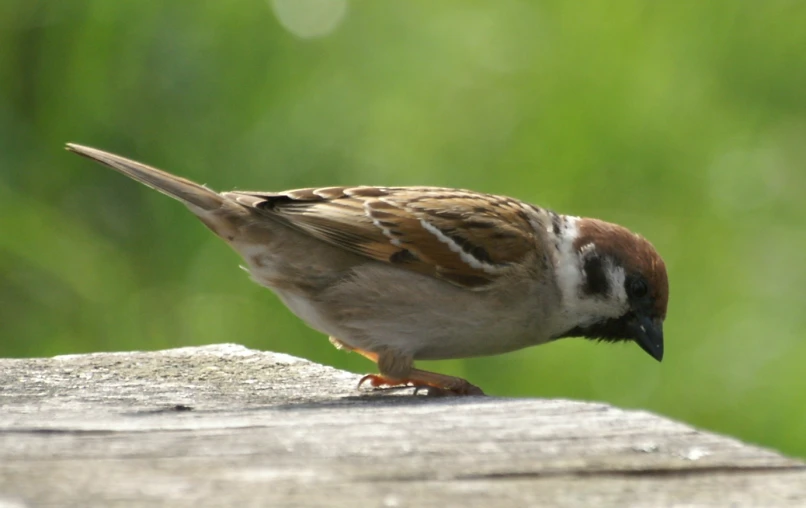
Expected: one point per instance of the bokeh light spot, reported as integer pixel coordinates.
(310, 18)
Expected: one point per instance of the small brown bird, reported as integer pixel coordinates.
(399, 274)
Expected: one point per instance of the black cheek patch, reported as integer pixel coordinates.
(595, 278)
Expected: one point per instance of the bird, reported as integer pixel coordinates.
(400, 274)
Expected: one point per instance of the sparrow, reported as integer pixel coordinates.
(399, 274)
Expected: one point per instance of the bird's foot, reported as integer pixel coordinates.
(435, 385)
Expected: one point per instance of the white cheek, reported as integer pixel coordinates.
(580, 309)
(617, 279)
(588, 310)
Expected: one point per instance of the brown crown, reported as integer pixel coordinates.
(632, 251)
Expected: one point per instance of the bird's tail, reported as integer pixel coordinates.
(178, 188)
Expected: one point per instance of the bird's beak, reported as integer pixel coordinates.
(648, 333)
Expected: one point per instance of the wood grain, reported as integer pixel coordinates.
(227, 426)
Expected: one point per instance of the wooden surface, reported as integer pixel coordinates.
(227, 426)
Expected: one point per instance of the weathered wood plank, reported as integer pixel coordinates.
(224, 425)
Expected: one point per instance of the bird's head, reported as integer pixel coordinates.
(613, 284)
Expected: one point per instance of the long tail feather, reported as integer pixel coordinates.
(178, 188)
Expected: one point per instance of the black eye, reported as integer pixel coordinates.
(638, 288)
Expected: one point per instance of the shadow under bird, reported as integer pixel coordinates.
(399, 274)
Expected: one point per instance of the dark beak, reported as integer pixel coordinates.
(648, 333)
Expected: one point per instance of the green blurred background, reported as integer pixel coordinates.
(685, 121)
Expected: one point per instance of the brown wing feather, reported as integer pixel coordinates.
(466, 238)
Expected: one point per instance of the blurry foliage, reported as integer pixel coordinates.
(685, 121)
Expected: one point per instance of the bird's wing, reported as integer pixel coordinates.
(466, 238)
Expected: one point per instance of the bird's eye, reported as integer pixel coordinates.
(638, 288)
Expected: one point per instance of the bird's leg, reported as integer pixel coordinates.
(435, 384)
(442, 384)
(397, 370)
(374, 380)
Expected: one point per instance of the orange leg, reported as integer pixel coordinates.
(436, 384)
